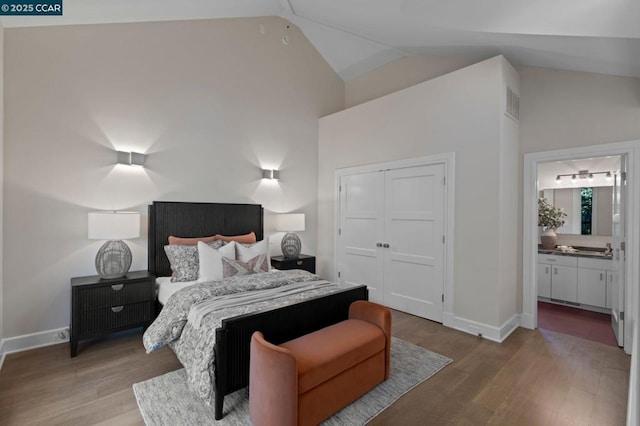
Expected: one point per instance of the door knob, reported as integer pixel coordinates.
(378, 244)
(385, 245)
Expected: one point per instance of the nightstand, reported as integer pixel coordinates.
(101, 306)
(306, 262)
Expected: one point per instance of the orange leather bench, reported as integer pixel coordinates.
(306, 380)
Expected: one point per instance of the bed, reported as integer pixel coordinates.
(232, 338)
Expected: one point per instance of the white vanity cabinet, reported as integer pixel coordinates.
(595, 278)
(578, 280)
(592, 287)
(563, 276)
(544, 280)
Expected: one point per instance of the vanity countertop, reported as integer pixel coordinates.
(590, 252)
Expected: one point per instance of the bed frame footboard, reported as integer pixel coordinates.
(233, 338)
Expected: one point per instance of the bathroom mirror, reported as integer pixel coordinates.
(589, 210)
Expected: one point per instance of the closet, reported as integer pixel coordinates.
(391, 236)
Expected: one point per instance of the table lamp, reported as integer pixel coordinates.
(114, 257)
(290, 222)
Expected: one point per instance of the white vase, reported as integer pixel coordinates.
(549, 239)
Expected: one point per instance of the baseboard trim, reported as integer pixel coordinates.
(489, 332)
(1, 353)
(509, 327)
(34, 340)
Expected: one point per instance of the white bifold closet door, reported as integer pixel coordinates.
(391, 237)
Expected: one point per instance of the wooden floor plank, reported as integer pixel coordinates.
(535, 377)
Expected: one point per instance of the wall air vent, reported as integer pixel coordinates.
(513, 104)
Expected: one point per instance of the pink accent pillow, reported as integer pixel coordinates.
(179, 241)
(249, 238)
(256, 265)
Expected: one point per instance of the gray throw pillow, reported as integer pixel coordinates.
(184, 260)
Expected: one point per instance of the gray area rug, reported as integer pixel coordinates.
(166, 400)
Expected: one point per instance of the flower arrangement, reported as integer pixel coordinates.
(550, 216)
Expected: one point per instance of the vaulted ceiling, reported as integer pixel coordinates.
(356, 36)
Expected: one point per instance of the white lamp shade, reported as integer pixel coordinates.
(114, 225)
(290, 222)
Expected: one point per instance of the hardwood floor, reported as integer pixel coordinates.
(535, 377)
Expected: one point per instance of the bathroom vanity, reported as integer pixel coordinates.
(581, 279)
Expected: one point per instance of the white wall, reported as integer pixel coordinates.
(564, 109)
(456, 112)
(400, 74)
(509, 187)
(210, 102)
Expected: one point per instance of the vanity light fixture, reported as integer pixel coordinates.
(130, 158)
(270, 174)
(583, 174)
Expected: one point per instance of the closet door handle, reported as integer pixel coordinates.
(378, 244)
(385, 245)
(546, 270)
(555, 271)
(600, 276)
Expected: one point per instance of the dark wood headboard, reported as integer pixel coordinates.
(197, 220)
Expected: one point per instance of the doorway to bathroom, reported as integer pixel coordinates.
(578, 278)
(581, 273)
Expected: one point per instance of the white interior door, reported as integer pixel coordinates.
(414, 240)
(361, 228)
(618, 246)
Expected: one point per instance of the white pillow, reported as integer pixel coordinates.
(245, 253)
(211, 260)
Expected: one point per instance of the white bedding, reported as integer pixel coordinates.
(166, 288)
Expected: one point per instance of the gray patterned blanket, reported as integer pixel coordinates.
(194, 346)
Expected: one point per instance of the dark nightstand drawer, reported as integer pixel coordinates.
(114, 295)
(98, 320)
(305, 262)
(100, 306)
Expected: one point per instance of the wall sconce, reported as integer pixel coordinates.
(270, 174)
(130, 158)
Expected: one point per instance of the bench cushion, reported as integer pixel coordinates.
(326, 353)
